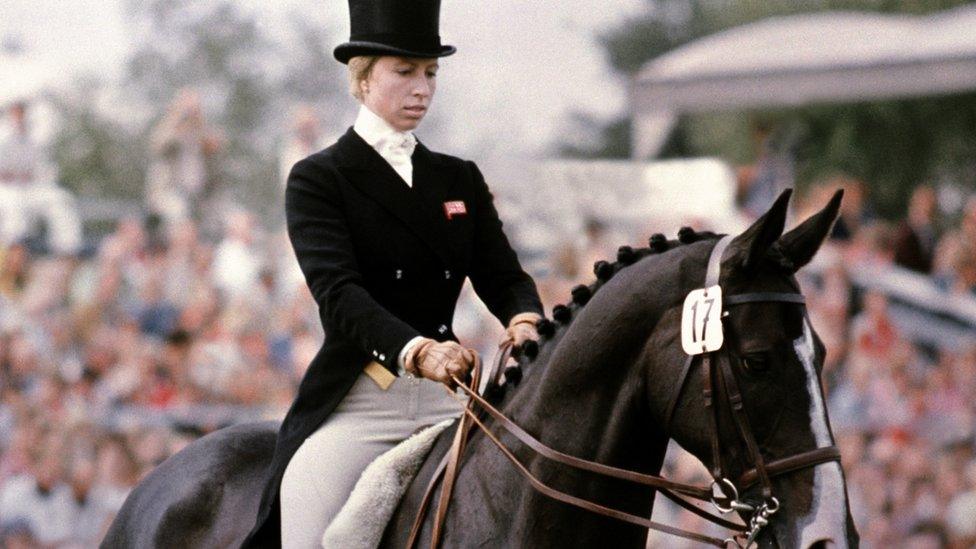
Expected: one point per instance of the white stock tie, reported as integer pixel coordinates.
(400, 146)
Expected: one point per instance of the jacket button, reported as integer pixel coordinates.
(382, 358)
(442, 329)
(375, 353)
(447, 275)
(399, 274)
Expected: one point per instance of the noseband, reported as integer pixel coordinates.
(723, 493)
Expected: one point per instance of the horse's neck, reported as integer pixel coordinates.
(587, 392)
(586, 396)
(585, 401)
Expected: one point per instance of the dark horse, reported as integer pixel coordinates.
(599, 388)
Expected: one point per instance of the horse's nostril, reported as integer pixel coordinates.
(823, 544)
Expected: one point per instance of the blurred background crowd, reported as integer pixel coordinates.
(149, 294)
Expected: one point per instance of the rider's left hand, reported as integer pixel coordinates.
(522, 328)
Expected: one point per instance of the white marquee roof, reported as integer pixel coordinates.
(820, 41)
(801, 59)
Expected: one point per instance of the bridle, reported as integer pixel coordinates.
(722, 493)
(715, 369)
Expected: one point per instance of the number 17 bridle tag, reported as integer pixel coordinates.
(701, 321)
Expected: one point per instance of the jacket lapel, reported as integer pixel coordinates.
(362, 165)
(432, 177)
(432, 180)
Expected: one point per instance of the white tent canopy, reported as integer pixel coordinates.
(803, 59)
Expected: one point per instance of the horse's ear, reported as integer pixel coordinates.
(755, 241)
(801, 244)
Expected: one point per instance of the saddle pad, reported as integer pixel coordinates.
(361, 521)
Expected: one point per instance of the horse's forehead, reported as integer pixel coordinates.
(767, 277)
(763, 320)
(772, 321)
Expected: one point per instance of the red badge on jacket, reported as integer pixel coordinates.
(454, 207)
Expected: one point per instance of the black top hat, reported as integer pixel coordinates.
(408, 28)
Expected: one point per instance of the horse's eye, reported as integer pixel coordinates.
(755, 363)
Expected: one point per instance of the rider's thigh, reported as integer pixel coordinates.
(324, 470)
(435, 403)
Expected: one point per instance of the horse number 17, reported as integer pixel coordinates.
(701, 321)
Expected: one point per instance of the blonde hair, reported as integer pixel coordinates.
(360, 68)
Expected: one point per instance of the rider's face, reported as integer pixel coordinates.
(400, 89)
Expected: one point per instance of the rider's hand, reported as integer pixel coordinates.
(522, 328)
(439, 361)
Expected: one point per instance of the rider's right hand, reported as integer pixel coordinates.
(438, 361)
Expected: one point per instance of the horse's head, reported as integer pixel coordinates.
(772, 357)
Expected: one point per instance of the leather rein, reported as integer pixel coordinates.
(722, 492)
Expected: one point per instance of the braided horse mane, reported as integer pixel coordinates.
(552, 330)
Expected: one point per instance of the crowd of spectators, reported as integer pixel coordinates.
(113, 362)
(114, 359)
(903, 413)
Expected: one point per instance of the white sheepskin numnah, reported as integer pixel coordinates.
(361, 521)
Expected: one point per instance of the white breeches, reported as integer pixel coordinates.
(367, 422)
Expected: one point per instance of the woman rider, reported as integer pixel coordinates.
(385, 231)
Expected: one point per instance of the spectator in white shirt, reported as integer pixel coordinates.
(43, 501)
(28, 191)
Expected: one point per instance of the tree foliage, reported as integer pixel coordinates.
(248, 73)
(95, 154)
(892, 145)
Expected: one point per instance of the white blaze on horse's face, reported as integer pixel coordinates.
(828, 509)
